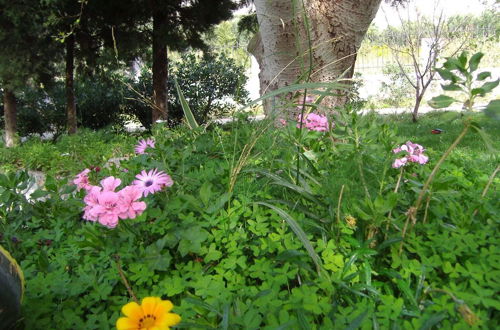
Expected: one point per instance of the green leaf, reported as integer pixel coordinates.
(451, 87)
(224, 324)
(489, 86)
(389, 242)
(433, 321)
(185, 107)
(486, 138)
(303, 191)
(462, 59)
(348, 265)
(474, 61)
(405, 289)
(356, 323)
(302, 320)
(441, 101)
(39, 194)
(299, 232)
(311, 155)
(483, 75)
(478, 91)
(492, 110)
(212, 254)
(155, 257)
(206, 193)
(219, 203)
(455, 64)
(447, 75)
(202, 304)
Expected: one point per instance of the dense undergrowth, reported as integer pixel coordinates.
(267, 228)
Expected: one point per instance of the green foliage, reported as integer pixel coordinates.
(26, 52)
(100, 101)
(397, 92)
(68, 155)
(211, 85)
(459, 73)
(226, 39)
(249, 258)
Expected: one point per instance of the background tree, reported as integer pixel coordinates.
(177, 24)
(26, 54)
(320, 36)
(211, 84)
(423, 41)
(89, 33)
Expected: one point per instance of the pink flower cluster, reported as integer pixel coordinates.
(141, 147)
(107, 206)
(314, 122)
(414, 154)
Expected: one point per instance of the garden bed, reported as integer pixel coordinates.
(267, 227)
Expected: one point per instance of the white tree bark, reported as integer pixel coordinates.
(10, 117)
(328, 47)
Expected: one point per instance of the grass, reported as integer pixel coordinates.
(472, 147)
(70, 154)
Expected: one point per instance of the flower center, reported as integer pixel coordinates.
(148, 183)
(147, 321)
(110, 205)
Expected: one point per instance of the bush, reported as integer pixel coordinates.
(212, 86)
(99, 102)
(397, 92)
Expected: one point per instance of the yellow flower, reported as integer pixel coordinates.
(351, 222)
(152, 314)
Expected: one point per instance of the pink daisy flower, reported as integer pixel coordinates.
(152, 181)
(141, 147)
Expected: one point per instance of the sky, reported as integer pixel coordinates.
(426, 8)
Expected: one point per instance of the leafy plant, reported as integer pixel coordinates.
(460, 73)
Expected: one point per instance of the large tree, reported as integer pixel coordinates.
(178, 24)
(25, 54)
(315, 40)
(89, 32)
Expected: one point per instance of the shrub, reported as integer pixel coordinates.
(397, 92)
(212, 85)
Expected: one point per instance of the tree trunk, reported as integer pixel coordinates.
(418, 100)
(336, 29)
(70, 90)
(160, 67)
(10, 117)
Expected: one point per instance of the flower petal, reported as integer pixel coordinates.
(125, 323)
(149, 305)
(132, 310)
(163, 306)
(172, 319)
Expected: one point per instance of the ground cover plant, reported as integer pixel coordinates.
(260, 226)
